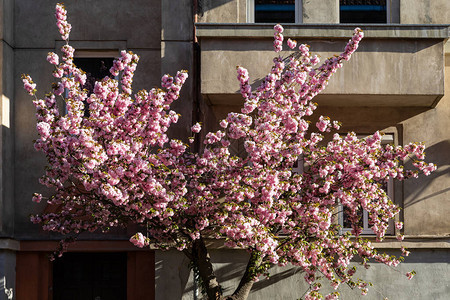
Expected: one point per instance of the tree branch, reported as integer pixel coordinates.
(248, 279)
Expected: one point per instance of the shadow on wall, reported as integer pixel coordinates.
(172, 274)
(439, 153)
(367, 119)
(276, 278)
(229, 275)
(324, 47)
(205, 5)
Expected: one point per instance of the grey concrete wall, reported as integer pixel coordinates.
(177, 53)
(320, 11)
(7, 140)
(424, 11)
(137, 22)
(223, 11)
(426, 207)
(174, 279)
(6, 118)
(28, 164)
(160, 32)
(379, 67)
(7, 274)
(6, 23)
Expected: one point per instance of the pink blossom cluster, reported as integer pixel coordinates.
(291, 43)
(61, 17)
(410, 275)
(278, 38)
(29, 85)
(53, 58)
(139, 240)
(196, 128)
(126, 63)
(118, 166)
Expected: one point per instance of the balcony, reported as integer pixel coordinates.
(395, 65)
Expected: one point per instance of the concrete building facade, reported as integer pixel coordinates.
(397, 82)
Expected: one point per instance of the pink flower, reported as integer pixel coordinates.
(323, 123)
(28, 84)
(224, 123)
(404, 251)
(58, 73)
(278, 28)
(43, 129)
(59, 89)
(196, 128)
(278, 38)
(63, 26)
(291, 43)
(315, 60)
(37, 197)
(138, 240)
(52, 58)
(411, 274)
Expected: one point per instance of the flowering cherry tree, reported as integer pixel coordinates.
(117, 166)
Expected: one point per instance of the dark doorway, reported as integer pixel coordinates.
(90, 276)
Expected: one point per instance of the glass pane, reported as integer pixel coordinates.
(274, 11)
(363, 11)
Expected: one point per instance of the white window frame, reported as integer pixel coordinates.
(251, 12)
(387, 138)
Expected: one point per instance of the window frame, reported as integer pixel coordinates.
(251, 12)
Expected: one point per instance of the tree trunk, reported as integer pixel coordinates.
(202, 262)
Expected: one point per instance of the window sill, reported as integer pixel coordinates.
(241, 30)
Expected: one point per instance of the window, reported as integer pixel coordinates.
(96, 276)
(363, 11)
(388, 187)
(274, 11)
